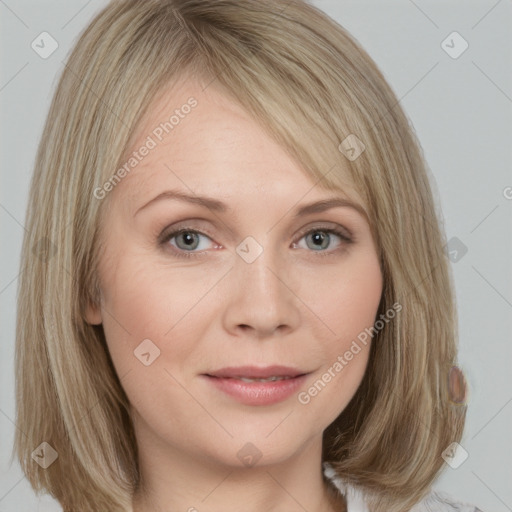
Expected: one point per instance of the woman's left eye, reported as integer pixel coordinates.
(187, 242)
(320, 238)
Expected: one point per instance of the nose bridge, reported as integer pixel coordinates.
(259, 266)
(261, 297)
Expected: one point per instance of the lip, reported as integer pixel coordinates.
(257, 372)
(257, 393)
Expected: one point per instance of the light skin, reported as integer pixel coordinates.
(300, 303)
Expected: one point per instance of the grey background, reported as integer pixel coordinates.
(461, 110)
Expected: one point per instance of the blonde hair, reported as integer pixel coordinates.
(311, 85)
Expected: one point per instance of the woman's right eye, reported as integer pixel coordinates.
(186, 242)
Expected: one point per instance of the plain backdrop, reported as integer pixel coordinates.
(460, 103)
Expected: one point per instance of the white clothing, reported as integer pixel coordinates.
(434, 502)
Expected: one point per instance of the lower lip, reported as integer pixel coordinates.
(258, 393)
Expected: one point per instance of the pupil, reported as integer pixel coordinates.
(189, 239)
(319, 237)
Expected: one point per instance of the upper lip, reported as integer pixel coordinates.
(256, 372)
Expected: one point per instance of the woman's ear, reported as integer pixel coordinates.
(93, 314)
(93, 309)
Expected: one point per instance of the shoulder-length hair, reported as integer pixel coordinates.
(310, 85)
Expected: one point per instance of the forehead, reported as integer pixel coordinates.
(213, 147)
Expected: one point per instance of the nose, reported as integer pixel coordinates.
(261, 300)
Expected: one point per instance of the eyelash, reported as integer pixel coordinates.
(166, 237)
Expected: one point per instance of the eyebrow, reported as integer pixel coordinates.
(219, 206)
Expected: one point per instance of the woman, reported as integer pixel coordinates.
(241, 297)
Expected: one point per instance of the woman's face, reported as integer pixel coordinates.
(250, 282)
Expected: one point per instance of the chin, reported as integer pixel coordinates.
(252, 447)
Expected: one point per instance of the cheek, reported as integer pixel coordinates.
(143, 301)
(148, 337)
(348, 301)
(349, 310)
